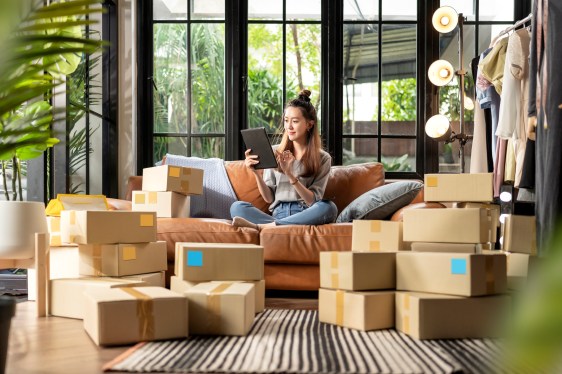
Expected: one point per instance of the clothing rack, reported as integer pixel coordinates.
(516, 25)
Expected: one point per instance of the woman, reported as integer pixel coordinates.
(296, 187)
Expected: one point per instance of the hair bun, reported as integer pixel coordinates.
(305, 95)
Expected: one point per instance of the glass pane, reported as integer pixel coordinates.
(207, 9)
(174, 146)
(207, 147)
(170, 77)
(265, 76)
(449, 47)
(487, 33)
(466, 7)
(360, 10)
(304, 10)
(270, 9)
(399, 10)
(96, 175)
(497, 10)
(399, 154)
(169, 9)
(360, 66)
(303, 62)
(207, 78)
(356, 151)
(399, 98)
(449, 157)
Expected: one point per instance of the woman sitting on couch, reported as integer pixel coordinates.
(295, 189)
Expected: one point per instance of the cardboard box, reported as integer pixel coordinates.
(460, 274)
(221, 308)
(433, 316)
(447, 247)
(187, 181)
(64, 262)
(75, 202)
(181, 286)
(364, 311)
(202, 262)
(130, 315)
(494, 213)
(116, 260)
(376, 236)
(459, 187)
(165, 204)
(520, 234)
(53, 225)
(357, 271)
(66, 296)
(447, 225)
(157, 279)
(93, 227)
(521, 264)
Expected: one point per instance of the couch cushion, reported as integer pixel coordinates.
(244, 184)
(346, 183)
(292, 277)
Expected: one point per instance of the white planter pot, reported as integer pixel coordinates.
(19, 221)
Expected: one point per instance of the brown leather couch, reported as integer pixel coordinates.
(291, 252)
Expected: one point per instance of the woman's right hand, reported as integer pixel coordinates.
(250, 160)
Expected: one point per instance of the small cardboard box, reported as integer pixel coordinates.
(187, 181)
(494, 216)
(433, 316)
(64, 262)
(520, 234)
(447, 247)
(117, 260)
(376, 236)
(130, 315)
(447, 225)
(181, 286)
(165, 204)
(459, 187)
(93, 227)
(157, 279)
(200, 262)
(520, 264)
(460, 274)
(75, 202)
(358, 271)
(221, 308)
(364, 311)
(53, 225)
(67, 295)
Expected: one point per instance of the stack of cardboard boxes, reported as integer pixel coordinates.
(224, 284)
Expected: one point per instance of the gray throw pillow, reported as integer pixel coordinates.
(381, 202)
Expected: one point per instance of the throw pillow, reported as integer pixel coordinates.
(381, 202)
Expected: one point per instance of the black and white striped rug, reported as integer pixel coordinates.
(293, 341)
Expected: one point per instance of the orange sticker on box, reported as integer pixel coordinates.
(152, 197)
(432, 181)
(129, 253)
(173, 171)
(146, 220)
(139, 198)
(186, 171)
(374, 246)
(375, 226)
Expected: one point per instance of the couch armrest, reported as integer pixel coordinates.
(397, 216)
(133, 184)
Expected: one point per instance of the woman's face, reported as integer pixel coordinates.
(295, 125)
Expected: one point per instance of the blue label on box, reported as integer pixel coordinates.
(194, 258)
(458, 266)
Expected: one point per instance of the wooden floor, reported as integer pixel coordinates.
(61, 345)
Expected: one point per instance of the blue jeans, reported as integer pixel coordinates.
(288, 213)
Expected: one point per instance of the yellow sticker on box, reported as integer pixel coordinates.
(139, 198)
(146, 220)
(186, 171)
(152, 198)
(173, 171)
(432, 181)
(129, 253)
(375, 246)
(375, 226)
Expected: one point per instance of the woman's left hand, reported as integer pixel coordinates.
(285, 161)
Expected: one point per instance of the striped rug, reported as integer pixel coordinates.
(293, 341)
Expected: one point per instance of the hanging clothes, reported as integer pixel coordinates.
(489, 101)
(492, 66)
(479, 151)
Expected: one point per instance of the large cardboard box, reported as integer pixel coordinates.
(157, 279)
(376, 236)
(165, 204)
(446, 247)
(494, 216)
(221, 308)
(357, 271)
(458, 187)
(434, 316)
(116, 260)
(92, 227)
(447, 225)
(520, 234)
(130, 315)
(187, 181)
(460, 274)
(364, 311)
(66, 296)
(181, 286)
(200, 262)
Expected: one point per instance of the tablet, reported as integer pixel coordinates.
(257, 140)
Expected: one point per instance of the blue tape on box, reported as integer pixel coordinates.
(458, 266)
(194, 258)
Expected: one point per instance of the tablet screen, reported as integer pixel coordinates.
(257, 140)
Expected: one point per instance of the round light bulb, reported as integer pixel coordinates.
(440, 72)
(438, 127)
(468, 103)
(502, 218)
(445, 19)
(505, 196)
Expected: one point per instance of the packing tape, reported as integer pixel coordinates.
(145, 307)
(376, 226)
(146, 220)
(339, 307)
(374, 246)
(129, 253)
(335, 270)
(214, 306)
(406, 313)
(55, 240)
(431, 181)
(72, 217)
(54, 223)
(186, 171)
(173, 171)
(153, 197)
(140, 198)
(96, 259)
(184, 186)
(490, 280)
